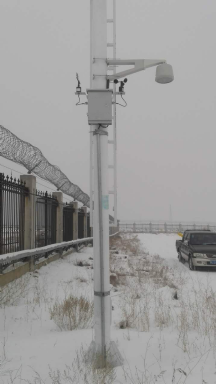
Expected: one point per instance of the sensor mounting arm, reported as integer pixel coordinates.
(139, 65)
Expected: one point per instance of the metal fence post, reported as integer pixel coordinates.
(30, 206)
(46, 217)
(88, 225)
(1, 213)
(75, 220)
(85, 221)
(118, 225)
(59, 216)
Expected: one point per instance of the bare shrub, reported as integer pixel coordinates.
(135, 308)
(197, 313)
(127, 243)
(12, 292)
(163, 316)
(82, 371)
(128, 308)
(72, 313)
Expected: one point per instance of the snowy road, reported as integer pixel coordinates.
(164, 246)
(161, 244)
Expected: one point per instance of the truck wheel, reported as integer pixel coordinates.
(180, 258)
(191, 266)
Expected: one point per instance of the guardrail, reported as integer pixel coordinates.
(38, 253)
(162, 227)
(35, 254)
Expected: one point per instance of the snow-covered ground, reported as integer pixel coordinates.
(169, 313)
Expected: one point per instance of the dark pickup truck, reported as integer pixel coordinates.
(198, 248)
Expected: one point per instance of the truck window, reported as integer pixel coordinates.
(186, 236)
(203, 238)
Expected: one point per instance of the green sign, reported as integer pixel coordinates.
(105, 202)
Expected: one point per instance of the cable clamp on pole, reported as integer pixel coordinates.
(99, 132)
(102, 294)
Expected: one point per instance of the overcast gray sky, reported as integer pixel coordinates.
(166, 135)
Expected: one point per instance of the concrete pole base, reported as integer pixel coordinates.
(113, 358)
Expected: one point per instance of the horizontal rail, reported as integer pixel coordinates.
(162, 227)
(11, 258)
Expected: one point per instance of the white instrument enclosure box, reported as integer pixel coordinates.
(99, 106)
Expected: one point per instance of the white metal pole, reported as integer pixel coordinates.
(115, 118)
(101, 211)
(91, 128)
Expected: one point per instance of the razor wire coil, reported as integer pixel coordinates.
(22, 152)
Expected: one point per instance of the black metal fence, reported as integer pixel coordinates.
(88, 226)
(12, 214)
(68, 211)
(14, 196)
(45, 225)
(81, 224)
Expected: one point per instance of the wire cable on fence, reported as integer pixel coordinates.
(43, 185)
(22, 152)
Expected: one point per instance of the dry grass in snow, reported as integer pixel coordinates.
(163, 319)
(72, 313)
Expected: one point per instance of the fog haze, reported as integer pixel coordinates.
(166, 135)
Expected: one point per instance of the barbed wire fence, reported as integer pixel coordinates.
(22, 152)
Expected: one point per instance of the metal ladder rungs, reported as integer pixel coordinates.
(110, 45)
(110, 20)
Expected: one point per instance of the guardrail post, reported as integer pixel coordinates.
(30, 207)
(85, 222)
(75, 220)
(59, 216)
(1, 215)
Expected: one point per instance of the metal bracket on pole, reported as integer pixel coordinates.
(99, 132)
(102, 294)
(139, 65)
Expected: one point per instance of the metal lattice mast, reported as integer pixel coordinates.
(112, 142)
